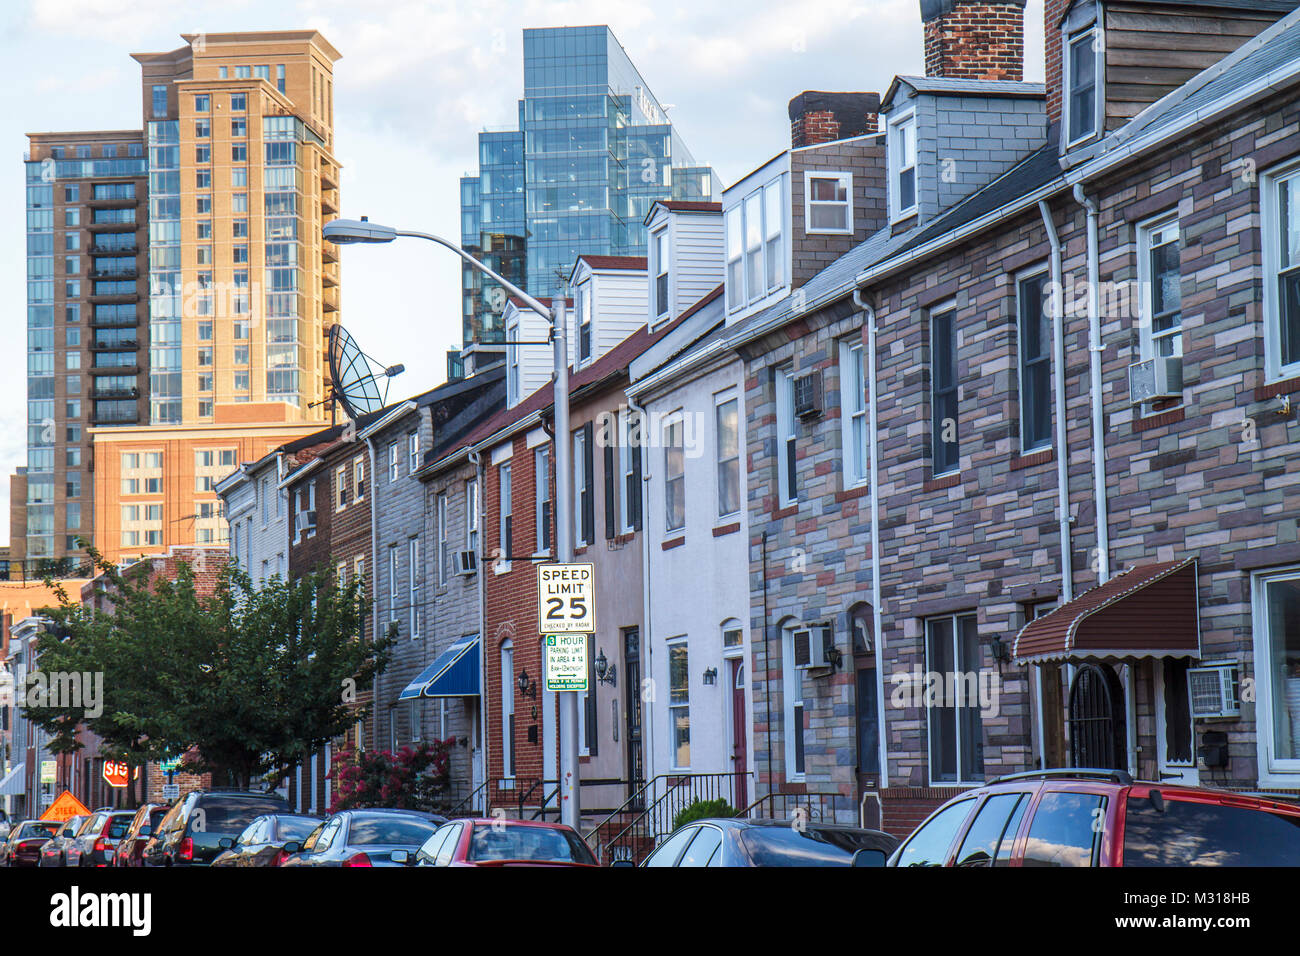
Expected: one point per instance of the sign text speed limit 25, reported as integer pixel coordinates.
(566, 599)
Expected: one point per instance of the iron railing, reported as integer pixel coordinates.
(632, 830)
(813, 807)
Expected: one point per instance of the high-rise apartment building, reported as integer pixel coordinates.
(205, 342)
(592, 152)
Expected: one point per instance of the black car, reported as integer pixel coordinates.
(55, 852)
(736, 842)
(130, 850)
(191, 833)
(23, 845)
(96, 841)
(365, 838)
(262, 842)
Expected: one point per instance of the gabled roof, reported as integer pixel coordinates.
(615, 263)
(949, 86)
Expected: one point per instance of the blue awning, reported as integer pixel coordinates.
(454, 674)
(14, 783)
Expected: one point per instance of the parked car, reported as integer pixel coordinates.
(488, 842)
(1103, 818)
(262, 842)
(191, 832)
(4, 826)
(96, 842)
(23, 846)
(365, 838)
(54, 852)
(130, 849)
(727, 841)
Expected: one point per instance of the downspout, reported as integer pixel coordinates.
(877, 613)
(647, 645)
(374, 580)
(1094, 369)
(767, 675)
(479, 473)
(1062, 449)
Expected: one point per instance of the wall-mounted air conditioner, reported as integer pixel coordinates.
(812, 646)
(464, 562)
(1212, 690)
(1156, 378)
(808, 395)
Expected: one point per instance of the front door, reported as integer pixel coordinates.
(1096, 715)
(1175, 749)
(632, 680)
(739, 743)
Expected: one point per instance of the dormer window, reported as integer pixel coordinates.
(512, 363)
(902, 165)
(828, 203)
(755, 251)
(584, 322)
(660, 240)
(1081, 55)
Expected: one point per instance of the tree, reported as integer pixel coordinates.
(414, 778)
(244, 682)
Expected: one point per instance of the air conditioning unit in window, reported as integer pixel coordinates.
(1156, 378)
(812, 646)
(808, 395)
(464, 562)
(1212, 690)
(306, 521)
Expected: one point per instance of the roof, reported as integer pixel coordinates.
(1148, 610)
(628, 263)
(682, 205)
(951, 86)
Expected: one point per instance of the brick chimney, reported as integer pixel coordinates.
(975, 39)
(1053, 11)
(817, 117)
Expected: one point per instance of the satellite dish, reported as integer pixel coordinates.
(357, 386)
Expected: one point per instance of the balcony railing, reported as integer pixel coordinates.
(114, 321)
(106, 393)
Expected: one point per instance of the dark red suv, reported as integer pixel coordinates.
(1103, 818)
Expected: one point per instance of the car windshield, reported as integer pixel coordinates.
(295, 829)
(119, 825)
(389, 831)
(810, 846)
(538, 844)
(229, 815)
(35, 828)
(1184, 833)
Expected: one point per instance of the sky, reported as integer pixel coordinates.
(416, 82)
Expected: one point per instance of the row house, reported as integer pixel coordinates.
(1032, 430)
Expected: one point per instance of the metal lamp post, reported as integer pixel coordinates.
(346, 231)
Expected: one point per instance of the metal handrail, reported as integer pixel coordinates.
(769, 799)
(468, 799)
(697, 786)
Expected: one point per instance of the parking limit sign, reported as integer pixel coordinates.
(566, 662)
(566, 599)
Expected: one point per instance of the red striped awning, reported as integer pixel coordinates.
(1150, 610)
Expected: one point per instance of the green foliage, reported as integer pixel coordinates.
(246, 682)
(414, 778)
(703, 810)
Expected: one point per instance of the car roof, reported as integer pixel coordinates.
(737, 823)
(493, 821)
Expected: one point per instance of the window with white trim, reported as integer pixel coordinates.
(394, 565)
(1033, 343)
(359, 477)
(1276, 631)
(755, 247)
(1280, 223)
(341, 487)
(471, 515)
(726, 416)
(512, 363)
(659, 245)
(679, 703)
(674, 474)
(828, 203)
(506, 536)
(1160, 278)
(394, 462)
(412, 453)
(945, 444)
(853, 412)
(630, 467)
(901, 144)
(443, 555)
(786, 434)
(584, 321)
(542, 498)
(508, 707)
(413, 562)
(793, 707)
(1082, 81)
(956, 729)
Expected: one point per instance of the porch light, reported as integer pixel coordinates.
(606, 673)
(526, 685)
(711, 676)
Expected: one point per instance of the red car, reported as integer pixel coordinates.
(23, 848)
(1103, 818)
(130, 849)
(487, 842)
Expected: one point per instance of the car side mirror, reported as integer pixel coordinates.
(400, 856)
(623, 864)
(225, 843)
(868, 857)
(292, 848)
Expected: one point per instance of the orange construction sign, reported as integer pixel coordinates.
(65, 808)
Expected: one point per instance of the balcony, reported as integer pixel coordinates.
(123, 298)
(97, 419)
(127, 203)
(329, 281)
(115, 322)
(98, 227)
(111, 370)
(131, 273)
(107, 393)
(327, 253)
(329, 178)
(130, 250)
(125, 345)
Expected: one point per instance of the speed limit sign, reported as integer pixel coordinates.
(566, 599)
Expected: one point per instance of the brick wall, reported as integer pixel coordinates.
(865, 159)
(974, 40)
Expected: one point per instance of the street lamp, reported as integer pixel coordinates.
(347, 231)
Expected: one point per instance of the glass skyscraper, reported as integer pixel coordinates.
(592, 152)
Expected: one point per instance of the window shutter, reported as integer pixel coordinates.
(611, 521)
(589, 500)
(634, 493)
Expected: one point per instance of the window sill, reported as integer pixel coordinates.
(856, 491)
(785, 511)
(501, 567)
(726, 529)
(671, 543)
(1158, 419)
(1031, 459)
(940, 482)
(1283, 386)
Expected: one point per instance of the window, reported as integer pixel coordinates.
(755, 249)
(471, 515)
(587, 716)
(828, 203)
(679, 703)
(1161, 278)
(1280, 208)
(513, 356)
(1083, 50)
(792, 702)
(727, 419)
(1186, 833)
(584, 322)
(412, 452)
(773, 224)
(1276, 627)
(394, 565)
(787, 472)
(202, 128)
(508, 706)
(238, 102)
(1063, 831)
(507, 511)
(945, 447)
(202, 103)
(853, 413)
(583, 490)
(929, 845)
(956, 730)
(1034, 335)
(238, 130)
(159, 100)
(443, 556)
(754, 246)
(902, 165)
(413, 562)
(359, 477)
(341, 487)
(542, 497)
(630, 450)
(674, 475)
(660, 243)
(394, 463)
(993, 831)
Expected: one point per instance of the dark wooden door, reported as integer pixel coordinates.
(635, 757)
